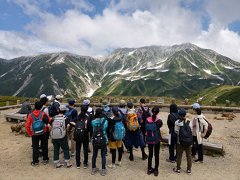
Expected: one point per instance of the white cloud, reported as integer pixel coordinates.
(125, 24)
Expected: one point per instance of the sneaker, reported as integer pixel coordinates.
(145, 156)
(59, 165)
(85, 166)
(198, 161)
(131, 158)
(155, 172)
(94, 171)
(104, 172)
(189, 171)
(68, 165)
(45, 162)
(73, 154)
(176, 170)
(78, 167)
(112, 166)
(171, 161)
(119, 163)
(34, 164)
(150, 171)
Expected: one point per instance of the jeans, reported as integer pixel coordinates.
(180, 150)
(78, 152)
(172, 155)
(44, 145)
(156, 148)
(199, 149)
(103, 154)
(63, 143)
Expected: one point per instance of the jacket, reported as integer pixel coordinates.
(29, 122)
(159, 124)
(172, 118)
(198, 126)
(178, 124)
(95, 123)
(26, 108)
(111, 127)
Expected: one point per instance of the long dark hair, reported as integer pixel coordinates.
(98, 113)
(199, 111)
(155, 112)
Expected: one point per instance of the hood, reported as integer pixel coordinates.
(173, 108)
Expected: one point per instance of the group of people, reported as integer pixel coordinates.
(116, 128)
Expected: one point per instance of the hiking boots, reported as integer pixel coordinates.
(94, 171)
(144, 156)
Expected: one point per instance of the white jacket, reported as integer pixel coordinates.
(201, 125)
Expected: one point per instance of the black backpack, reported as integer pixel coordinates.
(99, 140)
(185, 135)
(146, 114)
(209, 130)
(80, 133)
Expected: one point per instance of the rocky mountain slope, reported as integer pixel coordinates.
(178, 71)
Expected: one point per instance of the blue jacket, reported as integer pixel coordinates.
(97, 121)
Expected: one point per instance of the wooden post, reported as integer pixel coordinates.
(173, 101)
(227, 103)
(214, 102)
(7, 103)
(135, 100)
(18, 102)
(186, 101)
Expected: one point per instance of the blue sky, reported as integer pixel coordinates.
(91, 27)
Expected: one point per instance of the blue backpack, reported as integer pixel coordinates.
(119, 131)
(37, 125)
(152, 135)
(69, 113)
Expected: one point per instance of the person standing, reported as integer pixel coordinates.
(116, 133)
(184, 133)
(172, 140)
(199, 130)
(82, 127)
(134, 135)
(36, 127)
(99, 140)
(153, 125)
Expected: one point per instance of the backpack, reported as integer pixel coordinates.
(58, 130)
(80, 132)
(119, 131)
(152, 135)
(209, 130)
(107, 114)
(185, 135)
(37, 125)
(99, 140)
(132, 121)
(145, 114)
(52, 111)
(68, 116)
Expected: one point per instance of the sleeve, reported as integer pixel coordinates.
(29, 107)
(139, 114)
(169, 122)
(28, 125)
(159, 123)
(74, 115)
(57, 106)
(177, 126)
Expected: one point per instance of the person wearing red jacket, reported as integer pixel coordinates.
(36, 138)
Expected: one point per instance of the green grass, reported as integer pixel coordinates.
(12, 100)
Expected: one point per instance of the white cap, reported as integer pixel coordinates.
(86, 102)
(43, 96)
(59, 97)
(196, 106)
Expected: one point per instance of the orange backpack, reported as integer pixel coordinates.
(132, 121)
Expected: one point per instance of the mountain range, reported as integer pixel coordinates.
(178, 71)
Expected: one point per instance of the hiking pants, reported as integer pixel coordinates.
(70, 137)
(171, 147)
(78, 152)
(199, 149)
(103, 154)
(180, 150)
(114, 154)
(35, 144)
(156, 149)
(63, 143)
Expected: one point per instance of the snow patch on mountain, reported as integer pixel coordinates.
(90, 92)
(27, 67)
(25, 83)
(162, 70)
(207, 71)
(3, 75)
(131, 53)
(227, 67)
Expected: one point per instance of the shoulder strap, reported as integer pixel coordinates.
(199, 125)
(33, 117)
(188, 122)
